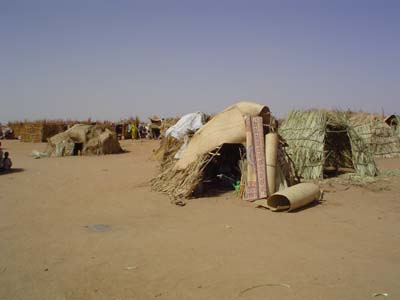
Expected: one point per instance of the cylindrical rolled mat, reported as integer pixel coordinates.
(271, 156)
(294, 197)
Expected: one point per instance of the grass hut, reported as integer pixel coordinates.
(320, 142)
(382, 139)
(394, 122)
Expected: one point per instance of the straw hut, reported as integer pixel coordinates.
(382, 139)
(321, 141)
(214, 159)
(82, 139)
(394, 122)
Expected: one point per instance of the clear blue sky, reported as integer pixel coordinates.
(111, 59)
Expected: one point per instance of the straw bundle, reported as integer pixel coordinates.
(180, 183)
(169, 146)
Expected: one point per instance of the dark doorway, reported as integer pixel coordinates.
(78, 147)
(338, 154)
(223, 171)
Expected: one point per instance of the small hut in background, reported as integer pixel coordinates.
(382, 139)
(394, 122)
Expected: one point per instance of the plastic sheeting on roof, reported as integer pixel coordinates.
(190, 122)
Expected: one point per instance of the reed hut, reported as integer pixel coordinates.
(382, 139)
(320, 141)
(394, 122)
(214, 158)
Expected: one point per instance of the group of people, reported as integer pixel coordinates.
(5, 161)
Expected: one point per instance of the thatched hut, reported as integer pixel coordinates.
(320, 141)
(83, 139)
(214, 158)
(382, 139)
(394, 122)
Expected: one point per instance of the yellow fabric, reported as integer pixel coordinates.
(134, 132)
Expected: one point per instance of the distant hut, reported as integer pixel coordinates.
(381, 138)
(83, 139)
(394, 122)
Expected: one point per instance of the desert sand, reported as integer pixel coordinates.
(346, 247)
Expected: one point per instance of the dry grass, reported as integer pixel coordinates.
(169, 146)
(180, 184)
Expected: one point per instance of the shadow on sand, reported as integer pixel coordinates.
(12, 171)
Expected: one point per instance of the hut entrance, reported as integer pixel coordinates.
(222, 172)
(338, 155)
(78, 147)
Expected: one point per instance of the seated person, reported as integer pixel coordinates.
(6, 163)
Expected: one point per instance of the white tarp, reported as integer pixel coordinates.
(189, 122)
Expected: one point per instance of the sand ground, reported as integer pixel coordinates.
(348, 247)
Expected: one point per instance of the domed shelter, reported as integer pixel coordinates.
(83, 139)
(226, 153)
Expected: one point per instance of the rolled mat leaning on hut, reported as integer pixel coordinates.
(216, 143)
